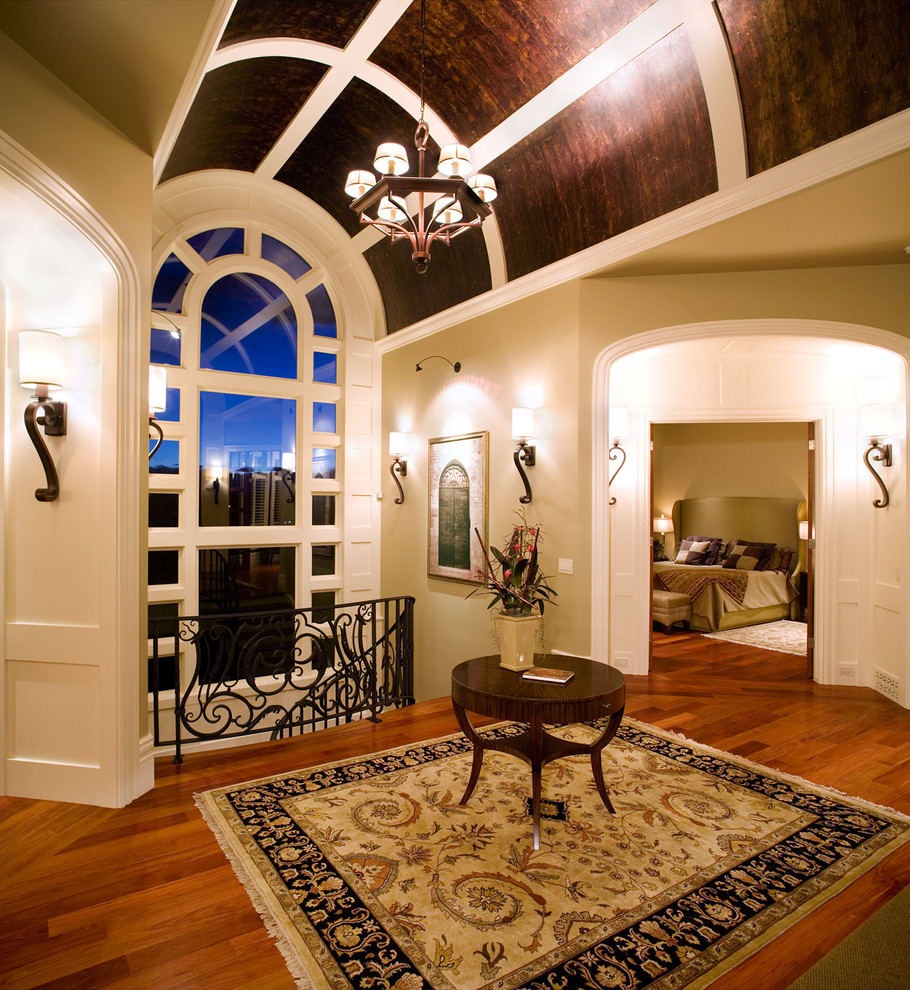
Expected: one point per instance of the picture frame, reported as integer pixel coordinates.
(457, 475)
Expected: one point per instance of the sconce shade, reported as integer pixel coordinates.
(879, 421)
(398, 445)
(662, 524)
(40, 359)
(522, 424)
(619, 423)
(804, 529)
(157, 390)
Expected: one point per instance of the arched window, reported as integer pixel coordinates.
(245, 492)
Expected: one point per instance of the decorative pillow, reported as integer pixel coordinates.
(769, 549)
(714, 550)
(780, 559)
(749, 556)
(691, 552)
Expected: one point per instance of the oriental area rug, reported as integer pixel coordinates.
(369, 874)
(784, 636)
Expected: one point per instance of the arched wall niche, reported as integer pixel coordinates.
(75, 726)
(824, 372)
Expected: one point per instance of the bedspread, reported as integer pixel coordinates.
(718, 591)
(694, 581)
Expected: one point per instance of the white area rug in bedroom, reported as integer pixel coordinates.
(784, 636)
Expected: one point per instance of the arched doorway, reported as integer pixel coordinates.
(862, 621)
(71, 675)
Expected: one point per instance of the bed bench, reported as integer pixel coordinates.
(670, 607)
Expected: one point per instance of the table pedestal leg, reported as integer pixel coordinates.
(537, 747)
(597, 748)
(464, 723)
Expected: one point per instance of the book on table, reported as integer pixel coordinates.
(548, 674)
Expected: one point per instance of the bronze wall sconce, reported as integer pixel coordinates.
(41, 368)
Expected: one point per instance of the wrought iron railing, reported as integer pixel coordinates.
(279, 673)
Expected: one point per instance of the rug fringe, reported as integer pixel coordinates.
(291, 959)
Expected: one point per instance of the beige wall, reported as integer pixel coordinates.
(554, 339)
(79, 146)
(525, 355)
(692, 460)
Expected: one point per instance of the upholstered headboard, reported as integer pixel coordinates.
(764, 520)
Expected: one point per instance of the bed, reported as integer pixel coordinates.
(745, 568)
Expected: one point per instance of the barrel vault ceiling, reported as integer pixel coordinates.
(595, 117)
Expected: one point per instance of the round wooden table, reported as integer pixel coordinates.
(481, 685)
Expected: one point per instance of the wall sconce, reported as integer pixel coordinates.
(456, 366)
(41, 368)
(661, 525)
(878, 422)
(804, 530)
(398, 448)
(525, 453)
(619, 430)
(157, 403)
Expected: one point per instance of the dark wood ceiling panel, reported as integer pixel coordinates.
(329, 21)
(484, 60)
(458, 271)
(811, 71)
(239, 112)
(636, 147)
(345, 138)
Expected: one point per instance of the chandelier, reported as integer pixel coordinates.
(442, 208)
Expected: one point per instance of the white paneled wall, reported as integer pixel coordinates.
(71, 732)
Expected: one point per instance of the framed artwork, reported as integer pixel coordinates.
(457, 477)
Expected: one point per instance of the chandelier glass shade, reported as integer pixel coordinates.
(421, 208)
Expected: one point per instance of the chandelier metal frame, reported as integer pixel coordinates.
(457, 206)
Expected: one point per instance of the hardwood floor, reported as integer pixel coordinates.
(142, 897)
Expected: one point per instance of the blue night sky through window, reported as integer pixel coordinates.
(170, 285)
(248, 326)
(245, 431)
(284, 257)
(211, 244)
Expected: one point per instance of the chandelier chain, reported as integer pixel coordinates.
(423, 51)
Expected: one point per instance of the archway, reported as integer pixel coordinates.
(863, 613)
(74, 730)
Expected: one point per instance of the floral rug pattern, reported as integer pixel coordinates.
(371, 875)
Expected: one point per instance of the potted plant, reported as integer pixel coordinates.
(520, 591)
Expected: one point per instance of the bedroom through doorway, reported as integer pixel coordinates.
(742, 470)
